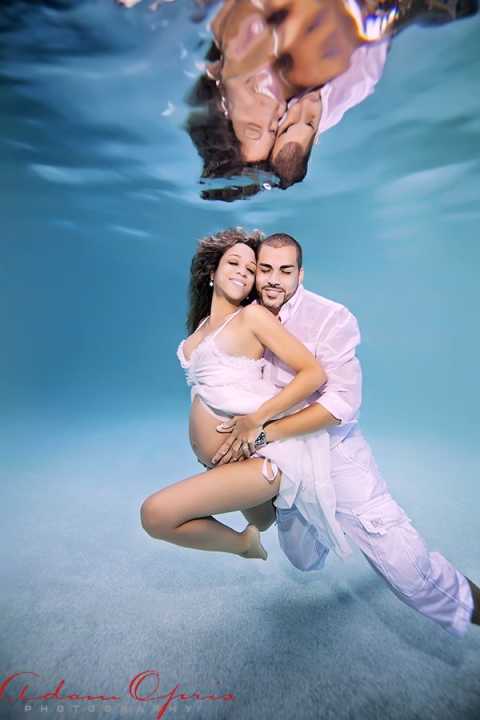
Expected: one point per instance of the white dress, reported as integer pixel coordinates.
(234, 385)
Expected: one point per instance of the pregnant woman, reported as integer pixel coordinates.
(223, 360)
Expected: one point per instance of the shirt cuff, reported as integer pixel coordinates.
(337, 407)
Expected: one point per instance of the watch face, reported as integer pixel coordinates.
(261, 439)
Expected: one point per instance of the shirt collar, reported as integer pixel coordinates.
(291, 305)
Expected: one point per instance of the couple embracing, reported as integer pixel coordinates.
(276, 390)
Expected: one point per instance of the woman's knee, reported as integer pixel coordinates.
(155, 517)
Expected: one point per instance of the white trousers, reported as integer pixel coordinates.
(374, 522)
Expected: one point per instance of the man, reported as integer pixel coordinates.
(314, 112)
(366, 511)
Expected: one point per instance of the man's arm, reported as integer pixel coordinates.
(314, 417)
(340, 400)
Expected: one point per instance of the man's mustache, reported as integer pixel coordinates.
(273, 287)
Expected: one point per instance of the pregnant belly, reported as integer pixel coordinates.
(204, 438)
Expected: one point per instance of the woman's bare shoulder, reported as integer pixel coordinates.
(256, 316)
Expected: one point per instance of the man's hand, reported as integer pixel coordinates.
(240, 445)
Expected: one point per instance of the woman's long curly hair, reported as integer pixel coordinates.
(214, 138)
(210, 250)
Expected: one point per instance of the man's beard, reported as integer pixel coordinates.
(275, 303)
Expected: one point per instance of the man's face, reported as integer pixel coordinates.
(299, 124)
(278, 276)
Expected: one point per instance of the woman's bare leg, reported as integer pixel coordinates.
(181, 513)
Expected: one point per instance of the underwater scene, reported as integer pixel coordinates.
(239, 278)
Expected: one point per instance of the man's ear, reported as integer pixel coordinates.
(300, 275)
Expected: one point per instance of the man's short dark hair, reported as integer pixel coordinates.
(278, 240)
(291, 164)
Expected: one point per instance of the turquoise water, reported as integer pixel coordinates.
(101, 210)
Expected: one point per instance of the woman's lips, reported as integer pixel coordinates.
(253, 132)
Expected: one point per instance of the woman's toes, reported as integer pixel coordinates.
(255, 548)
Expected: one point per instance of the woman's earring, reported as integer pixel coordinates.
(223, 107)
(211, 282)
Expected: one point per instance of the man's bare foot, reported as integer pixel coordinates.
(255, 548)
(476, 602)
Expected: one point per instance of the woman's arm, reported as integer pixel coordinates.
(310, 375)
(218, 24)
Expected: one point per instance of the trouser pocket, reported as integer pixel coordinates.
(395, 547)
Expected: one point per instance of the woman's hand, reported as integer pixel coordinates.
(240, 445)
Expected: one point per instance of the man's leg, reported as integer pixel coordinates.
(262, 516)
(424, 580)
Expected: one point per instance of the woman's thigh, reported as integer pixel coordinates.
(235, 486)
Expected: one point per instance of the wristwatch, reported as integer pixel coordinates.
(260, 440)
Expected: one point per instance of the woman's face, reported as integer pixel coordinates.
(255, 106)
(252, 93)
(234, 277)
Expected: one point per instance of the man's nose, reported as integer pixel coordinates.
(274, 279)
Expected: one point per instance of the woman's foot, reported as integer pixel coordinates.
(255, 548)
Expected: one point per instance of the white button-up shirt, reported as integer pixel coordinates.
(365, 70)
(351, 87)
(330, 331)
(354, 85)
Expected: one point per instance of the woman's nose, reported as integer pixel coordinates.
(277, 112)
(281, 109)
